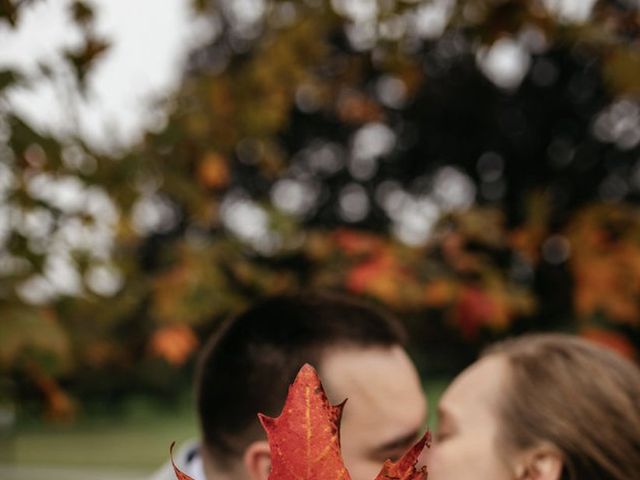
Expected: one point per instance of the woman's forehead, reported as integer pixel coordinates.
(478, 387)
(350, 368)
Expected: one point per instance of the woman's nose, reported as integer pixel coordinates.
(425, 456)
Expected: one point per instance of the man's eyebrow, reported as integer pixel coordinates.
(399, 442)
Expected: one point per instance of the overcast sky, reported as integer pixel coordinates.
(149, 41)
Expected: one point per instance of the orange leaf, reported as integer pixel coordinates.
(362, 277)
(353, 242)
(610, 339)
(439, 293)
(213, 171)
(475, 309)
(383, 277)
(60, 406)
(356, 108)
(174, 343)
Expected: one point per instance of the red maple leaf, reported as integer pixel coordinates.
(179, 474)
(305, 439)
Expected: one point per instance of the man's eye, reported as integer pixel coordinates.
(442, 435)
(393, 455)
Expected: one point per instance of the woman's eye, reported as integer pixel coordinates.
(442, 435)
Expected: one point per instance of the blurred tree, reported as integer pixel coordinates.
(472, 165)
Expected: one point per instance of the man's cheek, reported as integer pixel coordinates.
(365, 469)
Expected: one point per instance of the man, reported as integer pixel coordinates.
(248, 366)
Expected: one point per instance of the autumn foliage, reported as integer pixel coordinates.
(329, 147)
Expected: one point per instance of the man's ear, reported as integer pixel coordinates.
(542, 463)
(257, 460)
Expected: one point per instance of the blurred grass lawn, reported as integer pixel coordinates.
(136, 442)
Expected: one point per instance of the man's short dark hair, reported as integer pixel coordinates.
(249, 364)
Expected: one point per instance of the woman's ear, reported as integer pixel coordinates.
(257, 460)
(543, 463)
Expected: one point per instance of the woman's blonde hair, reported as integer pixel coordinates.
(581, 398)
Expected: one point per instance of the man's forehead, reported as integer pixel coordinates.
(386, 406)
(380, 383)
(355, 368)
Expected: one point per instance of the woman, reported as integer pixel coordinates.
(541, 407)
